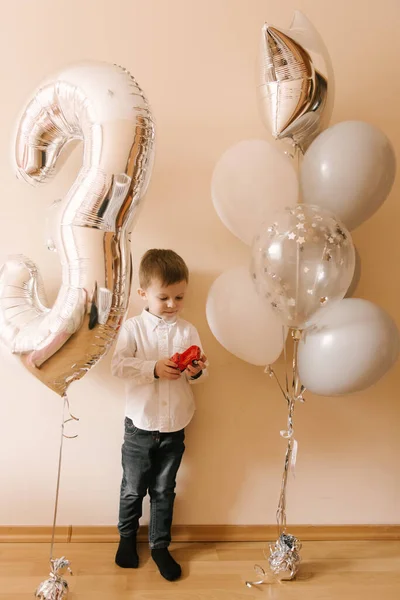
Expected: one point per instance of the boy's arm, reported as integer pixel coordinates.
(195, 341)
(124, 363)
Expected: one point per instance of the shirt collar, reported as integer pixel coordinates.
(155, 321)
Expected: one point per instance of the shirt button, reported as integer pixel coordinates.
(164, 403)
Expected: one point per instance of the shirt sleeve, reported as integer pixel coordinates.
(124, 364)
(195, 341)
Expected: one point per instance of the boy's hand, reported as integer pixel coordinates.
(166, 369)
(195, 370)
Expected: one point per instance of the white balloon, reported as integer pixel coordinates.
(353, 345)
(251, 181)
(241, 321)
(349, 169)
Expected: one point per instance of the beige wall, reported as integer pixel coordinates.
(195, 60)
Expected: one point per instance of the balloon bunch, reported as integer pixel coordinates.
(103, 107)
(303, 261)
(346, 172)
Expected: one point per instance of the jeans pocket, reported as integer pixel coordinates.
(130, 428)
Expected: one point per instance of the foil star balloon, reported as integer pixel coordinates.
(295, 82)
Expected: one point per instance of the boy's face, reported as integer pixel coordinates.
(164, 301)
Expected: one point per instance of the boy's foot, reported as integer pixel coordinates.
(167, 566)
(127, 556)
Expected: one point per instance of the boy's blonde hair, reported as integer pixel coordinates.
(165, 265)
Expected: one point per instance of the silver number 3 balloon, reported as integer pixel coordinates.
(103, 106)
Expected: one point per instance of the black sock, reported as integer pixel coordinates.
(167, 566)
(127, 556)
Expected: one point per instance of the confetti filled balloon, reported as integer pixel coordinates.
(302, 263)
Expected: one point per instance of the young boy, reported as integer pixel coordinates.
(159, 405)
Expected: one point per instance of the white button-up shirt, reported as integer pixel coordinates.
(155, 404)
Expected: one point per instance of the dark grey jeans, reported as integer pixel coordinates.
(150, 462)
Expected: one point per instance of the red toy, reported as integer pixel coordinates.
(189, 357)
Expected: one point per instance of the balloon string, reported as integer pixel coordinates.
(296, 380)
(281, 511)
(269, 371)
(291, 449)
(63, 422)
(71, 418)
(316, 274)
(291, 396)
(284, 337)
(297, 158)
(297, 279)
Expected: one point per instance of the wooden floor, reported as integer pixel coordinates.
(330, 570)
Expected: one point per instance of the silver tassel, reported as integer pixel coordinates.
(284, 557)
(55, 587)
